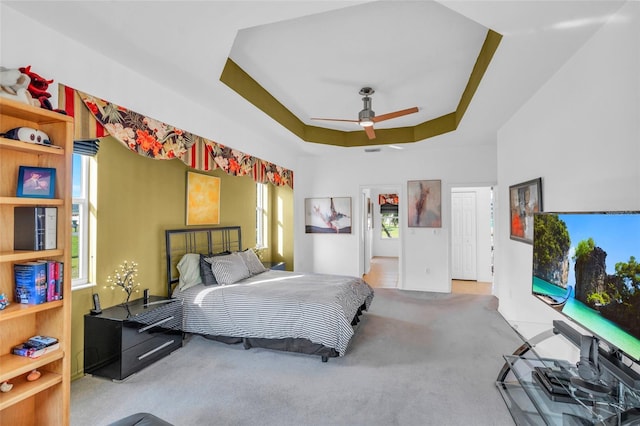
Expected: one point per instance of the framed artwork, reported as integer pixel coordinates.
(425, 203)
(36, 182)
(525, 199)
(203, 199)
(331, 215)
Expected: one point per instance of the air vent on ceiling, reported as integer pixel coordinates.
(372, 150)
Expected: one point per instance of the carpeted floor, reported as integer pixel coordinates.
(416, 359)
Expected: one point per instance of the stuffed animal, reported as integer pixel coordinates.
(14, 85)
(4, 301)
(38, 87)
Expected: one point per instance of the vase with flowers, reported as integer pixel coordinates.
(125, 278)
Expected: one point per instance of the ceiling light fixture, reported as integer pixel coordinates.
(367, 117)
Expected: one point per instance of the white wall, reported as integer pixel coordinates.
(67, 61)
(421, 249)
(580, 133)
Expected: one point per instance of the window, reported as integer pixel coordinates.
(262, 193)
(389, 220)
(79, 220)
(83, 195)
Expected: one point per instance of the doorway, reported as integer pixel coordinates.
(381, 236)
(472, 239)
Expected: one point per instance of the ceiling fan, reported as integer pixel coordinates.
(366, 117)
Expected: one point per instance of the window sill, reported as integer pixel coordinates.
(82, 286)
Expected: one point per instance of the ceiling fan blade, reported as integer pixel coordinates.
(335, 119)
(370, 133)
(395, 114)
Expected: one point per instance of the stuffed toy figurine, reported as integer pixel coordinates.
(4, 301)
(14, 85)
(38, 87)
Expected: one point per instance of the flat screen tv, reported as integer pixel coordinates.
(585, 265)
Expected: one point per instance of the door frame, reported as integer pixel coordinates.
(490, 277)
(363, 239)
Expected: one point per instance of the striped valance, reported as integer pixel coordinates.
(95, 117)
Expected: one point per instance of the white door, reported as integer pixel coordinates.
(463, 223)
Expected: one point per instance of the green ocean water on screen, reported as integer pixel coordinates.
(589, 318)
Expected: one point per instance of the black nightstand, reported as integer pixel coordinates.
(280, 266)
(124, 339)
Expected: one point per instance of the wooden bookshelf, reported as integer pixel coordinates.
(46, 400)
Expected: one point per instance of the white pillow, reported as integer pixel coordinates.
(189, 268)
(229, 269)
(251, 260)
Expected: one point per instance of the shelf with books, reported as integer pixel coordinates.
(18, 322)
(20, 255)
(16, 310)
(21, 201)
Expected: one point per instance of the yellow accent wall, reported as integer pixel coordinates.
(281, 231)
(138, 199)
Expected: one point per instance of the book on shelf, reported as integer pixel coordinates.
(51, 280)
(59, 281)
(30, 282)
(35, 228)
(38, 281)
(42, 340)
(36, 346)
(50, 228)
(55, 271)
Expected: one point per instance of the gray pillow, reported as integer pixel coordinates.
(206, 274)
(251, 260)
(229, 269)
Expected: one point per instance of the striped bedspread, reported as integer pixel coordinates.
(277, 305)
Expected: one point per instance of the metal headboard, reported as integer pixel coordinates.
(198, 240)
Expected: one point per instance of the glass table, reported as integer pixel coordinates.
(540, 390)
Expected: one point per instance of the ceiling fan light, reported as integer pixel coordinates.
(366, 123)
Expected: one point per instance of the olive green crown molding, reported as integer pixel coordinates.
(242, 83)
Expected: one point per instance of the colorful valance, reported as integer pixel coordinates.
(85, 126)
(155, 139)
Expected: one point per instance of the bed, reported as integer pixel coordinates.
(307, 313)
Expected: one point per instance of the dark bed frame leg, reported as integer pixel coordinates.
(325, 358)
(246, 344)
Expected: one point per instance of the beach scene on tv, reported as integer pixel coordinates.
(585, 265)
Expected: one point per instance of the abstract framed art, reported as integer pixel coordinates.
(330, 215)
(525, 199)
(203, 199)
(424, 199)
